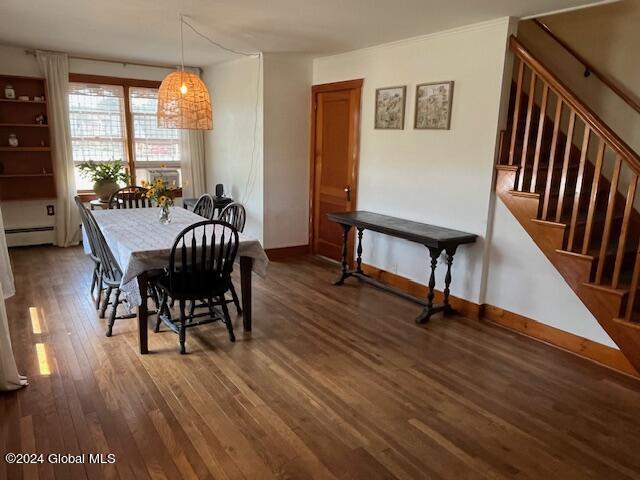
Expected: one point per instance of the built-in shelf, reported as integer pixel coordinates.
(22, 167)
(22, 175)
(21, 125)
(8, 100)
(25, 149)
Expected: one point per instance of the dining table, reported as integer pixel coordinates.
(141, 244)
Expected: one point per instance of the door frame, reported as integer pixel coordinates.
(355, 84)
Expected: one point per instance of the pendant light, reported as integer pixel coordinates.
(183, 99)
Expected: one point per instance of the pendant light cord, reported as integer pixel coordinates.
(252, 175)
(181, 42)
(213, 42)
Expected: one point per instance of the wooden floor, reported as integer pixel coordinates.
(334, 382)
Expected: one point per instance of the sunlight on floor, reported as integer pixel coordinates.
(35, 320)
(43, 363)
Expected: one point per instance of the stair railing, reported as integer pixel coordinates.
(561, 204)
(589, 68)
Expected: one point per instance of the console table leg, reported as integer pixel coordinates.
(427, 312)
(447, 281)
(359, 251)
(345, 247)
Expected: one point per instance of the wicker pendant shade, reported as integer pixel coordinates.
(184, 102)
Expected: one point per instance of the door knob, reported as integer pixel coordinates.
(347, 190)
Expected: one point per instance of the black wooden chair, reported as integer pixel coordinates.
(200, 268)
(96, 278)
(110, 273)
(205, 207)
(130, 197)
(235, 215)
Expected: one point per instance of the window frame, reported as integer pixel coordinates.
(125, 83)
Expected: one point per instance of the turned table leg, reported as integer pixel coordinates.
(359, 251)
(447, 281)
(345, 247)
(434, 253)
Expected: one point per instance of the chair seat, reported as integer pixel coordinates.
(194, 285)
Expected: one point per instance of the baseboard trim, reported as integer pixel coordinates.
(580, 346)
(278, 254)
(583, 347)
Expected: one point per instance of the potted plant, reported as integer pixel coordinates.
(105, 175)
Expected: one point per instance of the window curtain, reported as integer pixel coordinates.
(10, 379)
(55, 67)
(193, 161)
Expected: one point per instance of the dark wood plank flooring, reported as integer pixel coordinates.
(334, 382)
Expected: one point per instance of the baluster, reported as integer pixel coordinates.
(516, 113)
(634, 286)
(527, 127)
(576, 196)
(607, 221)
(565, 165)
(594, 197)
(552, 156)
(624, 231)
(541, 120)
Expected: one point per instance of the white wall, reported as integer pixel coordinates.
(287, 103)
(445, 177)
(608, 36)
(234, 156)
(432, 176)
(522, 280)
(33, 214)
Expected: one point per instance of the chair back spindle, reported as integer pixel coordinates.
(204, 207)
(234, 214)
(202, 256)
(130, 197)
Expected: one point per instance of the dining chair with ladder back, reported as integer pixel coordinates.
(130, 197)
(200, 267)
(96, 278)
(205, 207)
(111, 275)
(234, 214)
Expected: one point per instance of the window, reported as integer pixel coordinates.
(102, 121)
(96, 117)
(156, 150)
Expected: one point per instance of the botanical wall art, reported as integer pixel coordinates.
(390, 108)
(433, 105)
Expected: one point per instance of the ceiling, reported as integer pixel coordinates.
(148, 30)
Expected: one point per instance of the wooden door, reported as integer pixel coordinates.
(334, 152)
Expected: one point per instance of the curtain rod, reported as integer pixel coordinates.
(120, 62)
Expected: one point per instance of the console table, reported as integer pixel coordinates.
(435, 239)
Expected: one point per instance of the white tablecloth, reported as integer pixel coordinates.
(140, 243)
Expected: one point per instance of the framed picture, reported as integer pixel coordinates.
(433, 106)
(390, 108)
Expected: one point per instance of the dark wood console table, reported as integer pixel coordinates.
(436, 239)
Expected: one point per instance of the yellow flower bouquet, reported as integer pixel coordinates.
(162, 193)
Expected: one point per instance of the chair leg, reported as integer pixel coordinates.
(94, 278)
(183, 329)
(227, 319)
(107, 296)
(114, 311)
(99, 292)
(236, 302)
(162, 309)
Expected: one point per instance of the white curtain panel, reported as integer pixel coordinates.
(10, 379)
(55, 67)
(193, 161)
(193, 172)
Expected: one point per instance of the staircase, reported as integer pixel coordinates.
(572, 184)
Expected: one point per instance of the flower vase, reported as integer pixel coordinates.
(165, 214)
